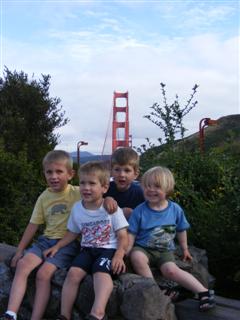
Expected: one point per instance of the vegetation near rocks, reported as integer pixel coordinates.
(207, 187)
(28, 118)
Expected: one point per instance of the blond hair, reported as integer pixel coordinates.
(58, 156)
(98, 168)
(160, 177)
(125, 156)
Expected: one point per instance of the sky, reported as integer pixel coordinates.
(93, 48)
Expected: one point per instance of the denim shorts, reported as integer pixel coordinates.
(62, 258)
(94, 260)
(156, 258)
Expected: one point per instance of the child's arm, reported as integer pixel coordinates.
(68, 237)
(182, 239)
(127, 212)
(110, 205)
(27, 237)
(118, 264)
(131, 240)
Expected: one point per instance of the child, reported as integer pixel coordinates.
(153, 226)
(125, 169)
(103, 244)
(52, 208)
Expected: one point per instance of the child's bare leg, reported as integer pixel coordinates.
(18, 289)
(70, 290)
(171, 271)
(103, 287)
(140, 264)
(43, 289)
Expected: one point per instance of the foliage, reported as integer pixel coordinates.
(28, 115)
(169, 118)
(208, 188)
(28, 118)
(19, 188)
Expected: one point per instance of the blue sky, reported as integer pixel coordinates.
(92, 48)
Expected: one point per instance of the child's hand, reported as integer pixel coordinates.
(127, 212)
(118, 265)
(186, 255)
(18, 255)
(110, 205)
(50, 252)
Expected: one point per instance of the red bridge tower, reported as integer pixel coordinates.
(122, 112)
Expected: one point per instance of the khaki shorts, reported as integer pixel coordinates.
(155, 257)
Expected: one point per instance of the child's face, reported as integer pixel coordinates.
(91, 190)
(123, 176)
(57, 175)
(154, 195)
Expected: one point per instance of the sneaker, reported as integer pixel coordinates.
(6, 316)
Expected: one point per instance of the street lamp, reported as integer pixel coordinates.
(202, 124)
(79, 144)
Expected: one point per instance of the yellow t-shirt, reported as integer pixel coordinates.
(53, 210)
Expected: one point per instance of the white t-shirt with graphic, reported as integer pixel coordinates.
(97, 227)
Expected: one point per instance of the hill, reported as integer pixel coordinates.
(87, 156)
(225, 132)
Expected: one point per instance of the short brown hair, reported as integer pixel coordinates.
(161, 177)
(125, 156)
(97, 167)
(57, 156)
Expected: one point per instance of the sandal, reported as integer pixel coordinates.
(206, 300)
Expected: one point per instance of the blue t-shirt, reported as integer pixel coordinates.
(130, 198)
(157, 229)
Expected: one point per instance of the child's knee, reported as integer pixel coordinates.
(169, 270)
(44, 275)
(22, 267)
(74, 275)
(138, 259)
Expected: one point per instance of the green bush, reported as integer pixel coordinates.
(208, 188)
(19, 189)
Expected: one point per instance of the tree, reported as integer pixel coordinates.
(169, 118)
(20, 186)
(28, 115)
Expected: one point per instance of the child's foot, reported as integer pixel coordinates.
(61, 317)
(174, 293)
(206, 300)
(91, 317)
(6, 316)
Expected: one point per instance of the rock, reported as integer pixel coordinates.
(226, 309)
(133, 297)
(6, 252)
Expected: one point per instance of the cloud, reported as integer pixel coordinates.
(90, 60)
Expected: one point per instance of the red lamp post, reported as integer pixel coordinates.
(202, 124)
(79, 144)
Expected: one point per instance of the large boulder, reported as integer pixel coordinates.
(133, 297)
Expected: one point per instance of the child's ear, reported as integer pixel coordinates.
(71, 174)
(137, 172)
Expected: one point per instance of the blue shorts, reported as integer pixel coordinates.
(62, 258)
(94, 260)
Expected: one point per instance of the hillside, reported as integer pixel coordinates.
(226, 132)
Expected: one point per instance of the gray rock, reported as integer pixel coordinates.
(133, 297)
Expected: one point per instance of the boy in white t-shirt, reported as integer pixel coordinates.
(104, 242)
